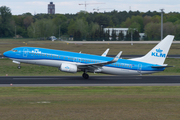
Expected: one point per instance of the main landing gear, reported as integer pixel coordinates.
(85, 75)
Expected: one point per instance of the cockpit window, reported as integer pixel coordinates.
(14, 50)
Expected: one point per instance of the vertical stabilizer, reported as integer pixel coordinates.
(159, 53)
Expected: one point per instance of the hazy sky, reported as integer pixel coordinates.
(72, 6)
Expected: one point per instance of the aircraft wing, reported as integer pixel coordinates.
(95, 66)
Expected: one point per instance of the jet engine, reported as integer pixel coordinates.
(68, 68)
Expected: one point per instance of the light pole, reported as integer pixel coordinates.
(131, 38)
(162, 23)
(15, 31)
(59, 31)
(101, 33)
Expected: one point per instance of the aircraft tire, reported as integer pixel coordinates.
(85, 76)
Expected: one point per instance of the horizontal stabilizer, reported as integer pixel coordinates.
(161, 66)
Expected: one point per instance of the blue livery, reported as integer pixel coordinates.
(74, 62)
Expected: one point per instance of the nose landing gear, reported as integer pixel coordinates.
(19, 67)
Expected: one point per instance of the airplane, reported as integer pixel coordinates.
(73, 62)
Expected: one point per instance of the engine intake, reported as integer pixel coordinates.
(68, 68)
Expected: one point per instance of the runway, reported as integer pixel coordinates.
(18, 81)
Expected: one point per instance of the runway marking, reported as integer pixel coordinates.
(35, 78)
(118, 78)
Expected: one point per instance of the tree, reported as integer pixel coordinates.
(134, 22)
(113, 35)
(102, 19)
(137, 21)
(153, 31)
(177, 35)
(128, 36)
(6, 28)
(97, 34)
(156, 19)
(82, 27)
(146, 20)
(121, 36)
(169, 28)
(71, 27)
(27, 21)
(42, 29)
(77, 36)
(107, 35)
(136, 35)
(61, 24)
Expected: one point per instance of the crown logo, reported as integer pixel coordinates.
(67, 67)
(159, 50)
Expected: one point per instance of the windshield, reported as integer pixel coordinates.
(14, 50)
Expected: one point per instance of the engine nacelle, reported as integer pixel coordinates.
(68, 68)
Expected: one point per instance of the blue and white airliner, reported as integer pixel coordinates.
(73, 62)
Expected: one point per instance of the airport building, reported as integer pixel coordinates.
(51, 8)
(123, 30)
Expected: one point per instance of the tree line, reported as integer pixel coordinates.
(88, 26)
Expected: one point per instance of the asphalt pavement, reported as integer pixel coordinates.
(92, 81)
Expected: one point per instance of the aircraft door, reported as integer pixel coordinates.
(25, 52)
(139, 68)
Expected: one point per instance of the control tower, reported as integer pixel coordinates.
(51, 8)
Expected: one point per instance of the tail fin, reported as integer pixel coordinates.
(158, 54)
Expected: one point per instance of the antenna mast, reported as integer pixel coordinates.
(85, 4)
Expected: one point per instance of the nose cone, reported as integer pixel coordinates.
(6, 54)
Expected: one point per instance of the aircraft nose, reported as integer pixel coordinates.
(6, 54)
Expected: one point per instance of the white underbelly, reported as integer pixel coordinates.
(119, 71)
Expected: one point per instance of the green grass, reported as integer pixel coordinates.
(97, 49)
(87, 103)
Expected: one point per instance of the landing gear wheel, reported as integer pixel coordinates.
(85, 76)
(19, 67)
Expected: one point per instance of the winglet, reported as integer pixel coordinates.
(117, 57)
(105, 53)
